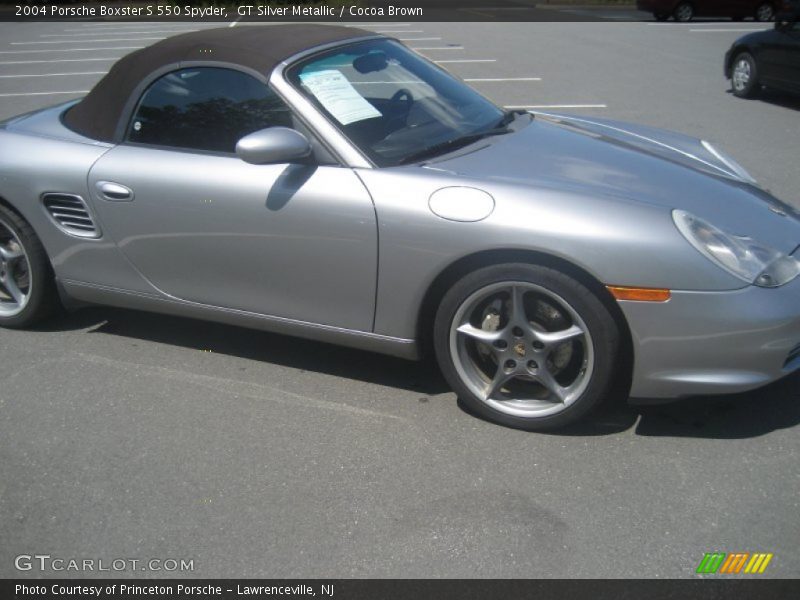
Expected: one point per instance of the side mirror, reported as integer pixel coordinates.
(273, 145)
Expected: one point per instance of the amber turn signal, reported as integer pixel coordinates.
(639, 294)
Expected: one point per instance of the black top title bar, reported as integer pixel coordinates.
(324, 10)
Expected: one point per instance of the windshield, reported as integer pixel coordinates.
(393, 104)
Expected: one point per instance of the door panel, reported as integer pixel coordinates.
(292, 241)
(768, 56)
(788, 59)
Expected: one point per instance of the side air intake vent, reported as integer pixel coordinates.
(71, 215)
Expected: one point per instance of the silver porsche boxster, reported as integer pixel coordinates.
(329, 183)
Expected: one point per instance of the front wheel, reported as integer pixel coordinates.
(525, 345)
(744, 76)
(27, 290)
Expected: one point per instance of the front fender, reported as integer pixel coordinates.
(618, 242)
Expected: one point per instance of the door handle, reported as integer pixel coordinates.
(114, 191)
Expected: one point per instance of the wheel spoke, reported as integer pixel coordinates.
(546, 378)
(13, 289)
(480, 335)
(500, 377)
(517, 314)
(556, 337)
(10, 255)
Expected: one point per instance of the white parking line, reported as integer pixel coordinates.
(136, 39)
(721, 24)
(106, 25)
(466, 60)
(60, 50)
(50, 35)
(33, 62)
(438, 48)
(524, 106)
(52, 74)
(385, 82)
(497, 8)
(502, 79)
(712, 26)
(739, 30)
(396, 31)
(44, 93)
(122, 28)
(675, 25)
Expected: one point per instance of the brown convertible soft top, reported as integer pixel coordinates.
(261, 48)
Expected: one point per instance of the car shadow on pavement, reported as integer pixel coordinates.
(736, 416)
(777, 98)
(287, 351)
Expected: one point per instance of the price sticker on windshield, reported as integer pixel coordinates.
(338, 96)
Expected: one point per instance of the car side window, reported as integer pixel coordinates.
(206, 109)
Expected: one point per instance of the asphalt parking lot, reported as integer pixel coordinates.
(125, 434)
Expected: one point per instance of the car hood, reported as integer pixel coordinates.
(749, 38)
(600, 157)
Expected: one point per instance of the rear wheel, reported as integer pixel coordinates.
(27, 290)
(525, 346)
(765, 12)
(744, 76)
(683, 12)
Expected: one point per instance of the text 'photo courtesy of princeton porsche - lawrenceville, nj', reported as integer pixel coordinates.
(412, 299)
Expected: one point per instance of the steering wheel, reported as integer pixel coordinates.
(400, 104)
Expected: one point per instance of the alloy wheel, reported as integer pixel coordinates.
(15, 280)
(521, 349)
(741, 74)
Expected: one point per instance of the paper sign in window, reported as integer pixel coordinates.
(338, 96)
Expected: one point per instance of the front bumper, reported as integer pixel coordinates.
(714, 342)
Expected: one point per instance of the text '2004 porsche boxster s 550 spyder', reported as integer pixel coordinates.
(329, 183)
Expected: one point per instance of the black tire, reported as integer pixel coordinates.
(765, 12)
(660, 16)
(684, 12)
(751, 87)
(594, 314)
(43, 297)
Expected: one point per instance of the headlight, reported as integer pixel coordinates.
(741, 256)
(729, 162)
